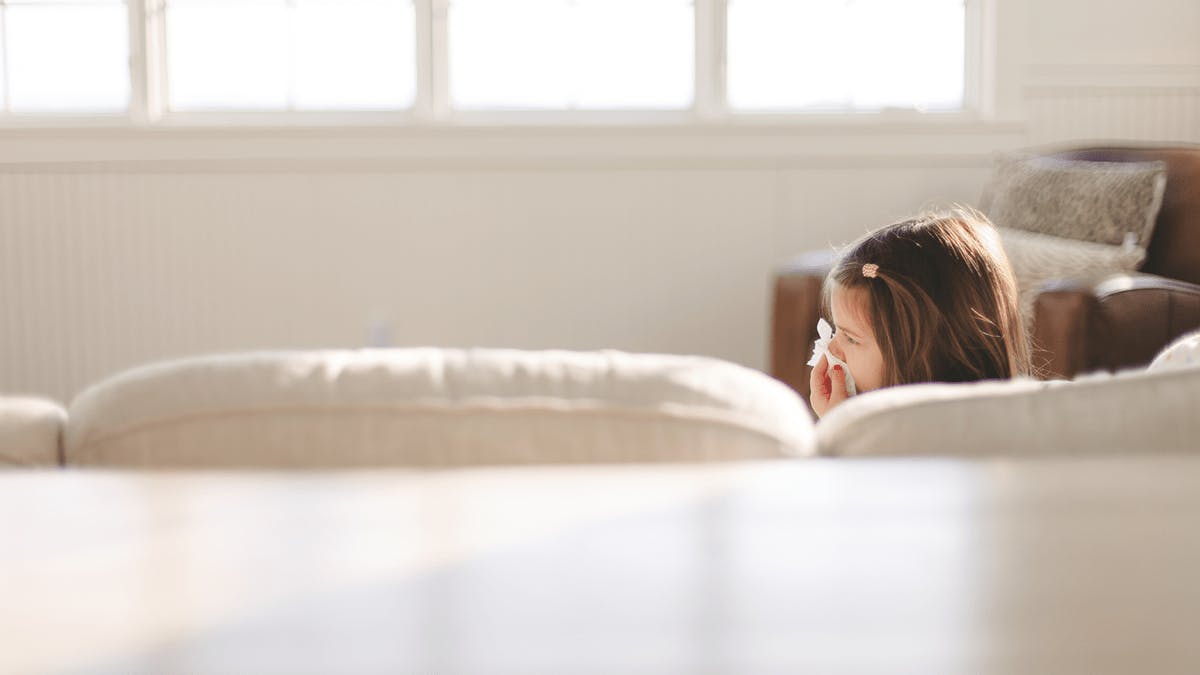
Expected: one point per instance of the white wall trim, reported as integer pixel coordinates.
(763, 143)
(1066, 76)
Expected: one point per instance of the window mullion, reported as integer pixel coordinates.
(147, 61)
(137, 12)
(440, 68)
(292, 54)
(432, 61)
(710, 99)
(977, 62)
(4, 57)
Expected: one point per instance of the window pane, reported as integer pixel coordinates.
(560, 54)
(846, 54)
(916, 55)
(227, 55)
(279, 55)
(67, 57)
(634, 53)
(500, 58)
(784, 53)
(355, 54)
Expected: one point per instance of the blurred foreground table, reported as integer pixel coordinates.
(824, 566)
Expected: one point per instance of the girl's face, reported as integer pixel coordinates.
(854, 339)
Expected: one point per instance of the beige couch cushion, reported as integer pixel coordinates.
(1038, 258)
(431, 407)
(1126, 413)
(30, 431)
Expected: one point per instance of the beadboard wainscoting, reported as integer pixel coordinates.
(106, 267)
(1132, 103)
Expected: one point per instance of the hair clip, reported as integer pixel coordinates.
(870, 270)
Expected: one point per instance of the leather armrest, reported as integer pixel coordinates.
(1117, 322)
(796, 308)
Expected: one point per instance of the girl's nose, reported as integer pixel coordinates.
(835, 346)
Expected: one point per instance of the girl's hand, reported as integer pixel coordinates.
(826, 386)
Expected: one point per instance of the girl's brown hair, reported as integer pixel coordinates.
(942, 300)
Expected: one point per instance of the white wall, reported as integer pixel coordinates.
(119, 246)
(1114, 32)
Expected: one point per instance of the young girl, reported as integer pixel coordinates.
(931, 299)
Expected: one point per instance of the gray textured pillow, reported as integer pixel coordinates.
(1102, 202)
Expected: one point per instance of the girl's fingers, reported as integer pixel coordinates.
(820, 387)
(819, 378)
(837, 381)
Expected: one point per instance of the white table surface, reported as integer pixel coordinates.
(822, 566)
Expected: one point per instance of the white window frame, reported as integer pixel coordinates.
(431, 106)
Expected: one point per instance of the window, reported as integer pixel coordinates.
(442, 59)
(64, 56)
(846, 54)
(571, 54)
(290, 54)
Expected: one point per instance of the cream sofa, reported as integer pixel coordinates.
(428, 407)
(1130, 412)
(30, 431)
(445, 407)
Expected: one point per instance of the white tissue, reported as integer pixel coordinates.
(821, 348)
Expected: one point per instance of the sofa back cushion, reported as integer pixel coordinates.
(30, 431)
(434, 407)
(1129, 412)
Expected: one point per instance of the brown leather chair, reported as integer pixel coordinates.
(1120, 321)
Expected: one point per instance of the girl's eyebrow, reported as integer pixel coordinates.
(853, 334)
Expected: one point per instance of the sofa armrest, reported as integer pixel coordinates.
(30, 432)
(1121, 414)
(794, 314)
(1117, 322)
